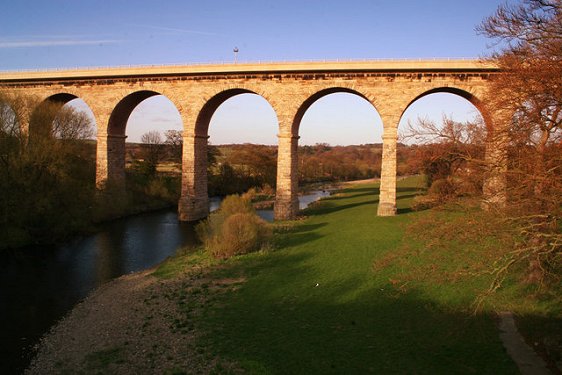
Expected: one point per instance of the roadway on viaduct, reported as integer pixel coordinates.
(290, 88)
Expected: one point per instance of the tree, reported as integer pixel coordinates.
(174, 140)
(152, 150)
(531, 87)
(450, 154)
(530, 92)
(47, 186)
(70, 124)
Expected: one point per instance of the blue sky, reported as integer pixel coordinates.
(58, 34)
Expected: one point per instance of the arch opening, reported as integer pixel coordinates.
(120, 115)
(460, 101)
(340, 137)
(43, 115)
(62, 116)
(242, 144)
(238, 116)
(339, 91)
(154, 125)
(84, 124)
(444, 134)
(435, 109)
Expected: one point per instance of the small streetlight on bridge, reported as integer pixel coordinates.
(235, 50)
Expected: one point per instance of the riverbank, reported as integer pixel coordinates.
(343, 292)
(124, 326)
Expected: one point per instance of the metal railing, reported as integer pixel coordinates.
(225, 63)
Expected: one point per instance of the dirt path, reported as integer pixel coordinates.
(527, 360)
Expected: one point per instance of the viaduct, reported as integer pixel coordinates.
(290, 88)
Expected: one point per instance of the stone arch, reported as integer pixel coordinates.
(307, 103)
(213, 101)
(286, 201)
(58, 100)
(111, 146)
(495, 154)
(473, 99)
(194, 201)
(121, 112)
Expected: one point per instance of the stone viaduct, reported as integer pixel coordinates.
(290, 88)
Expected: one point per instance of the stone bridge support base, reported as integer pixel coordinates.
(194, 202)
(387, 195)
(110, 159)
(286, 197)
(192, 208)
(494, 190)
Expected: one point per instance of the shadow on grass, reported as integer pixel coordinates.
(297, 239)
(406, 196)
(291, 318)
(404, 210)
(351, 195)
(407, 189)
(306, 228)
(316, 307)
(326, 207)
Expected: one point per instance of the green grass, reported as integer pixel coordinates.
(348, 292)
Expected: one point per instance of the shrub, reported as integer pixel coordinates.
(444, 189)
(158, 188)
(233, 204)
(234, 229)
(424, 202)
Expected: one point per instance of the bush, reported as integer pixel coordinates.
(233, 204)
(424, 202)
(443, 189)
(158, 188)
(234, 229)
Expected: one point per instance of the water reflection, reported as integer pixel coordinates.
(304, 201)
(39, 285)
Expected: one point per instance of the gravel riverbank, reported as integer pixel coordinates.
(131, 325)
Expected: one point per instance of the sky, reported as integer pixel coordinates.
(60, 34)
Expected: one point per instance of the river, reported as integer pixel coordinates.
(40, 284)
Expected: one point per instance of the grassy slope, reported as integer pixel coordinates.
(317, 306)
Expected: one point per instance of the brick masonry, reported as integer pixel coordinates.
(290, 88)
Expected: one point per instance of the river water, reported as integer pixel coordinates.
(40, 284)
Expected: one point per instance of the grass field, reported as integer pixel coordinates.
(347, 292)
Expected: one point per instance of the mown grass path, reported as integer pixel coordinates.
(317, 306)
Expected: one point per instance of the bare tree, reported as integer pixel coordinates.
(70, 124)
(174, 140)
(529, 35)
(531, 58)
(153, 149)
(450, 153)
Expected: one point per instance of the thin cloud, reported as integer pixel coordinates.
(177, 30)
(55, 43)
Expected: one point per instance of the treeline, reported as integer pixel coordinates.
(233, 169)
(237, 168)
